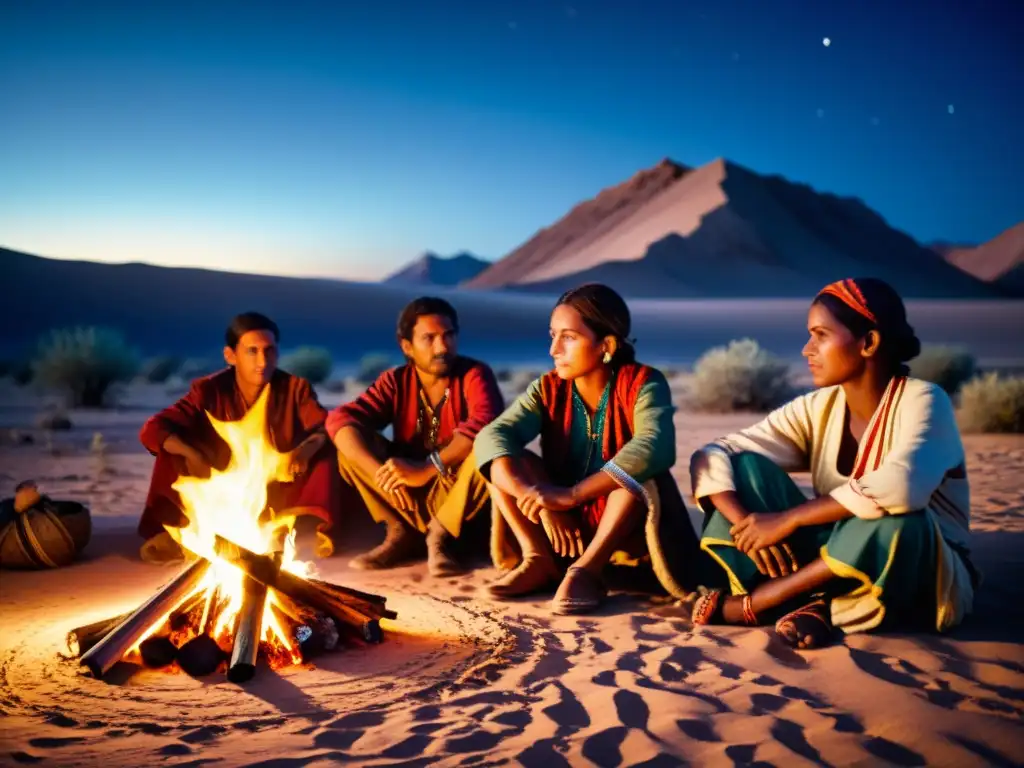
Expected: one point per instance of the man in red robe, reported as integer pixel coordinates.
(184, 441)
(423, 484)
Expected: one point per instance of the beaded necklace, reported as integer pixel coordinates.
(430, 439)
(595, 426)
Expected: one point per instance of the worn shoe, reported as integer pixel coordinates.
(579, 592)
(400, 545)
(534, 574)
(440, 561)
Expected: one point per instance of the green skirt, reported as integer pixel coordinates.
(886, 568)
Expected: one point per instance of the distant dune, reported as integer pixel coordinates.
(722, 230)
(184, 311)
(1000, 261)
(431, 269)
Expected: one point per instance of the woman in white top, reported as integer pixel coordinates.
(886, 540)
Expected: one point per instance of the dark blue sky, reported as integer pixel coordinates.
(349, 136)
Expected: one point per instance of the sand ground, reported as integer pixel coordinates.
(463, 680)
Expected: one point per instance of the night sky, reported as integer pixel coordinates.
(342, 138)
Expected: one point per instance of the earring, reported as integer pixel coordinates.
(607, 358)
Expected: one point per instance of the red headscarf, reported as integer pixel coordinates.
(848, 292)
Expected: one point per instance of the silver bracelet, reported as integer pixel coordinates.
(435, 459)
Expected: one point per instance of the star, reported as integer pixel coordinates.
(735, 55)
(826, 42)
(821, 112)
(950, 109)
(570, 12)
(875, 121)
(513, 25)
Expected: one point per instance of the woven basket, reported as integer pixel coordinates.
(50, 534)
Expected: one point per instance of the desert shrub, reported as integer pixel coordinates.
(740, 377)
(84, 363)
(312, 363)
(949, 367)
(157, 370)
(992, 403)
(373, 365)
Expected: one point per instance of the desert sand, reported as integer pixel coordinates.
(464, 680)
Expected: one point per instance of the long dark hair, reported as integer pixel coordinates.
(605, 313)
(866, 304)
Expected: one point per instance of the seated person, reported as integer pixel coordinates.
(886, 541)
(601, 486)
(185, 443)
(422, 484)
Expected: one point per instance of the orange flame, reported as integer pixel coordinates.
(231, 504)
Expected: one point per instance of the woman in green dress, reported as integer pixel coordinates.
(600, 491)
(886, 540)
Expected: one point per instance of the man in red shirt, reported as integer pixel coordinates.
(422, 484)
(184, 441)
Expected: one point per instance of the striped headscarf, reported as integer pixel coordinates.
(848, 292)
(879, 306)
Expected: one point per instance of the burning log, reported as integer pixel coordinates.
(181, 615)
(349, 592)
(81, 639)
(200, 656)
(107, 652)
(364, 602)
(262, 568)
(250, 629)
(314, 632)
(157, 652)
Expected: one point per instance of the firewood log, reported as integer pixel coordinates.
(112, 648)
(304, 591)
(249, 629)
(157, 652)
(81, 639)
(200, 656)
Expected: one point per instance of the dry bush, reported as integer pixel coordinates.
(373, 365)
(992, 403)
(311, 363)
(949, 367)
(84, 363)
(740, 377)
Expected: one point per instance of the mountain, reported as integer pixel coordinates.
(722, 230)
(183, 311)
(999, 262)
(431, 269)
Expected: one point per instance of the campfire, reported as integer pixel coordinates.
(245, 593)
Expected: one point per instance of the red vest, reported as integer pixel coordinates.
(556, 396)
